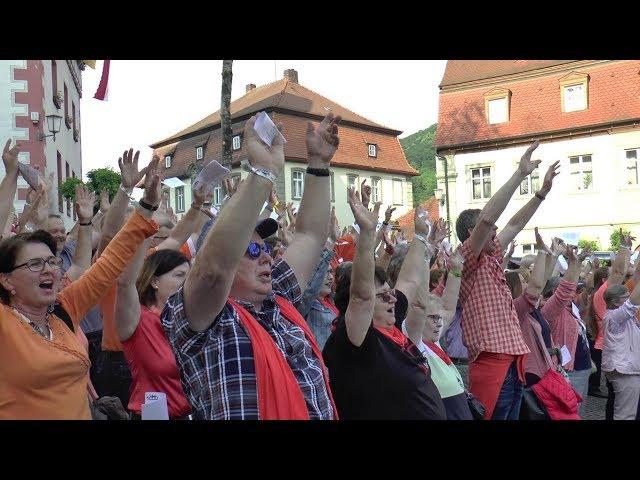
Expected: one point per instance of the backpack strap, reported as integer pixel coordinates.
(62, 314)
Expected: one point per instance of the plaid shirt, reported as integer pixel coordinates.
(217, 367)
(489, 319)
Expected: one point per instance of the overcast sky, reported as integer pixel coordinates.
(151, 100)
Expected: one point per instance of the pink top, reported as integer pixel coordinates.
(153, 365)
(538, 361)
(564, 325)
(600, 310)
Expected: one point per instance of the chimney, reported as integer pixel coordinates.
(291, 75)
(250, 87)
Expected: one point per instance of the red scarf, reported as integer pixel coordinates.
(438, 351)
(395, 335)
(329, 305)
(279, 394)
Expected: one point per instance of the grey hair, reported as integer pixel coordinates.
(613, 293)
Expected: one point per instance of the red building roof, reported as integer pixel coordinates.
(406, 221)
(293, 105)
(535, 108)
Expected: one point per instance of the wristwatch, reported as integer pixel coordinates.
(262, 172)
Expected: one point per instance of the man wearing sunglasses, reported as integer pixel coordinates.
(243, 350)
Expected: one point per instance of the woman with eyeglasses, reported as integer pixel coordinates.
(440, 312)
(146, 348)
(376, 372)
(44, 373)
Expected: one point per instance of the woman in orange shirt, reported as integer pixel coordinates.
(44, 366)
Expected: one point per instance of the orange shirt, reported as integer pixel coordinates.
(48, 379)
(110, 340)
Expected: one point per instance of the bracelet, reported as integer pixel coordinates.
(540, 196)
(207, 213)
(88, 224)
(146, 206)
(261, 172)
(318, 172)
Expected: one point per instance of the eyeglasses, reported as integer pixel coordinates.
(37, 264)
(254, 249)
(387, 296)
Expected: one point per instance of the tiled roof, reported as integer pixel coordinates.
(462, 71)
(282, 94)
(614, 97)
(406, 221)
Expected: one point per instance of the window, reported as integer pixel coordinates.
(529, 248)
(66, 164)
(481, 183)
(73, 115)
(199, 153)
(581, 172)
(297, 184)
(373, 149)
(73, 174)
(66, 102)
(60, 203)
(397, 191)
(167, 161)
(632, 166)
(376, 189)
(217, 195)
(531, 184)
(575, 98)
(179, 199)
(54, 77)
(236, 142)
(332, 195)
(496, 105)
(352, 182)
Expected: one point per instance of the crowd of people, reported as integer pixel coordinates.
(234, 314)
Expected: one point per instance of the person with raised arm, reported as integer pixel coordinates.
(490, 325)
(243, 349)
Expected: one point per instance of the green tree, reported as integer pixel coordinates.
(421, 154)
(615, 238)
(100, 178)
(68, 187)
(592, 245)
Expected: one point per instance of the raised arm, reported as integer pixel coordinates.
(565, 292)
(127, 309)
(620, 264)
(452, 289)
(362, 293)
(81, 260)
(317, 280)
(635, 295)
(129, 178)
(417, 314)
(522, 217)
(9, 183)
(80, 296)
(312, 218)
(413, 268)
(498, 202)
(537, 281)
(208, 285)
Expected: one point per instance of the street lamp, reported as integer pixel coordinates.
(53, 124)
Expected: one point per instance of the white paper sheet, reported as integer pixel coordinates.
(566, 356)
(266, 129)
(155, 406)
(173, 182)
(211, 175)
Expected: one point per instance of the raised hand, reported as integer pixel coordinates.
(260, 154)
(512, 249)
(540, 243)
(366, 219)
(84, 204)
(104, 201)
(422, 223)
(10, 157)
(292, 217)
(231, 186)
(570, 254)
(334, 228)
(552, 172)
(558, 246)
(526, 165)
(199, 194)
(129, 173)
(322, 141)
(388, 212)
(440, 231)
(152, 186)
(585, 253)
(365, 192)
(456, 260)
(273, 198)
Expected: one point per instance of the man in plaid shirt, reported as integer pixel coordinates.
(490, 326)
(219, 351)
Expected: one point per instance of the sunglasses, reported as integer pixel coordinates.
(387, 296)
(254, 249)
(37, 264)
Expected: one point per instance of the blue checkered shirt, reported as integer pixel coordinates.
(216, 365)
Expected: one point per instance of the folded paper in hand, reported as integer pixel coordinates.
(266, 129)
(155, 406)
(30, 175)
(211, 175)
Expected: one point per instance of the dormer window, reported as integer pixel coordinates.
(167, 161)
(236, 142)
(373, 149)
(199, 153)
(574, 92)
(497, 105)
